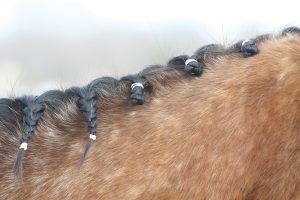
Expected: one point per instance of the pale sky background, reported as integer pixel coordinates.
(48, 44)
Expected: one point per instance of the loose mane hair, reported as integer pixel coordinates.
(222, 123)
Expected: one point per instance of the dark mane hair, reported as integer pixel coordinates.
(21, 117)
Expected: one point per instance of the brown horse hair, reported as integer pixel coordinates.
(111, 93)
(86, 97)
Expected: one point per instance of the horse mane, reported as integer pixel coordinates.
(76, 105)
(114, 93)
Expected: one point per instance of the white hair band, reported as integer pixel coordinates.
(93, 137)
(244, 42)
(190, 60)
(136, 85)
(23, 145)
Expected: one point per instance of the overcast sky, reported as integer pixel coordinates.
(47, 44)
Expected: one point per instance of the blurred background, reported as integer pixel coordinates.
(55, 44)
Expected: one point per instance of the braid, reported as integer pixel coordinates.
(32, 112)
(139, 84)
(191, 64)
(178, 62)
(248, 48)
(201, 54)
(137, 88)
(87, 103)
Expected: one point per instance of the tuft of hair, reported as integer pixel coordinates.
(291, 30)
(85, 150)
(18, 164)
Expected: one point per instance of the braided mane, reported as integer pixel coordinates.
(108, 90)
(51, 116)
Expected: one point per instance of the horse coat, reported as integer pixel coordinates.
(231, 133)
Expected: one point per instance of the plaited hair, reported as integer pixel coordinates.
(87, 103)
(32, 112)
(138, 83)
(87, 96)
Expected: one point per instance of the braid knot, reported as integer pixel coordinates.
(192, 66)
(137, 88)
(249, 48)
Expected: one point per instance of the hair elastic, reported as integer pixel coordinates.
(23, 146)
(190, 60)
(93, 137)
(245, 41)
(136, 85)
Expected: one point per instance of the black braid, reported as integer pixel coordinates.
(248, 48)
(207, 51)
(178, 62)
(32, 112)
(87, 103)
(194, 67)
(137, 92)
(139, 84)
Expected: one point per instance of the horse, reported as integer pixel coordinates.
(223, 123)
